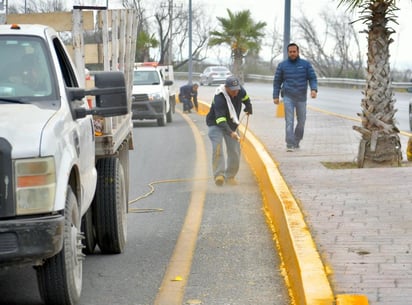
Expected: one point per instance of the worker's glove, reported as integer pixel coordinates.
(248, 110)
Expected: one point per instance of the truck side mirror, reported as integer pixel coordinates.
(168, 82)
(111, 80)
(110, 93)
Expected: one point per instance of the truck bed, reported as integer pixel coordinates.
(116, 131)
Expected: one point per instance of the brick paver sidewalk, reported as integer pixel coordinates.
(360, 219)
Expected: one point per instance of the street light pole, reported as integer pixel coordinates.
(170, 57)
(190, 63)
(3, 11)
(286, 29)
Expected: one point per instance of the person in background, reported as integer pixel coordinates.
(188, 96)
(292, 77)
(223, 120)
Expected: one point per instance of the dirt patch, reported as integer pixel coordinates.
(352, 165)
(340, 165)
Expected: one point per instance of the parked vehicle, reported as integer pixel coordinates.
(65, 186)
(214, 75)
(153, 96)
(409, 89)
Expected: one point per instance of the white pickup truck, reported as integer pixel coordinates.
(153, 95)
(62, 188)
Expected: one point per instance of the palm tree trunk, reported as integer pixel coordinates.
(238, 65)
(380, 144)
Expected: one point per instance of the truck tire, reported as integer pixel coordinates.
(169, 117)
(173, 99)
(124, 161)
(162, 121)
(60, 277)
(89, 232)
(110, 206)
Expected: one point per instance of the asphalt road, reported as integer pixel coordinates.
(342, 101)
(233, 258)
(229, 257)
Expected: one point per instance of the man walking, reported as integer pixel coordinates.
(223, 120)
(291, 80)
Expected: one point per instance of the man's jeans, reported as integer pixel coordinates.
(294, 135)
(216, 136)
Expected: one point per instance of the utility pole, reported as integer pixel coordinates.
(170, 8)
(170, 52)
(3, 11)
(286, 29)
(190, 63)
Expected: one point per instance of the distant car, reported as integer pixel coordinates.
(214, 75)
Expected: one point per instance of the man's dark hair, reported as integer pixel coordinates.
(293, 45)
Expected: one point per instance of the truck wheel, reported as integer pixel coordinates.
(162, 121)
(124, 161)
(60, 277)
(89, 241)
(110, 206)
(169, 117)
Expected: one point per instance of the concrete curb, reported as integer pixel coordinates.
(305, 272)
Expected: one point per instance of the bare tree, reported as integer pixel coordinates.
(331, 50)
(179, 35)
(347, 50)
(170, 24)
(162, 16)
(201, 25)
(276, 45)
(36, 6)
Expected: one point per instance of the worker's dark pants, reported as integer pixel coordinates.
(187, 104)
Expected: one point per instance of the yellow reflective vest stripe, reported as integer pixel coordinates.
(220, 120)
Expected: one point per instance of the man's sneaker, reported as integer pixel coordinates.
(219, 180)
(290, 148)
(297, 145)
(231, 181)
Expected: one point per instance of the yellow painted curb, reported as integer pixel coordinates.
(305, 271)
(306, 274)
(351, 299)
(203, 108)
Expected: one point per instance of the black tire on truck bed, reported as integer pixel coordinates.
(110, 206)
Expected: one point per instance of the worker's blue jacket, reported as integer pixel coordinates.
(293, 76)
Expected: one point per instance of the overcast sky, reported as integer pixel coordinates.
(271, 10)
(400, 49)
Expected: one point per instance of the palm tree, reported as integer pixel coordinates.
(380, 144)
(241, 34)
(144, 42)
